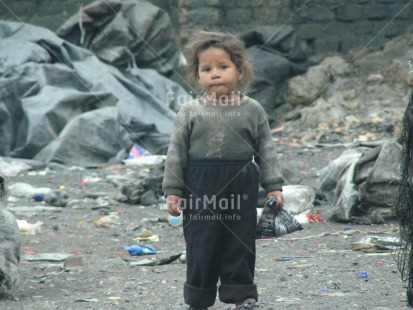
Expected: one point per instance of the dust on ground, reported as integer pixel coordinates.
(318, 270)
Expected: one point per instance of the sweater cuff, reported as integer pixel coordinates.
(173, 191)
(273, 187)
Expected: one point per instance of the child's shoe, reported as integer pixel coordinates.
(250, 303)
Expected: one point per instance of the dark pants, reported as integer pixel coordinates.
(220, 227)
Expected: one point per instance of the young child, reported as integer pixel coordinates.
(211, 173)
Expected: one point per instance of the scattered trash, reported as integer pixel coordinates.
(301, 266)
(182, 258)
(349, 232)
(149, 197)
(91, 300)
(108, 221)
(56, 198)
(73, 262)
(32, 210)
(290, 257)
(314, 216)
(38, 197)
(142, 190)
(337, 184)
(137, 250)
(298, 198)
(290, 300)
(363, 275)
(137, 151)
(21, 189)
(147, 235)
(102, 203)
(145, 160)
(158, 219)
(28, 228)
(360, 183)
(51, 257)
(302, 218)
(13, 168)
(371, 244)
(164, 261)
(275, 223)
(336, 285)
(175, 220)
(38, 172)
(90, 179)
(162, 204)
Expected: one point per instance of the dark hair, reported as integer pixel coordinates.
(230, 43)
(2, 188)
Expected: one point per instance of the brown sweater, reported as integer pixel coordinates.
(207, 129)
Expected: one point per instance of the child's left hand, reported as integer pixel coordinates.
(280, 198)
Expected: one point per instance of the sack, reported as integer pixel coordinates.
(275, 223)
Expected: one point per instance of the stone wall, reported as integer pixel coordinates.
(325, 25)
(46, 13)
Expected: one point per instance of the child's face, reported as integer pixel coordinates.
(218, 75)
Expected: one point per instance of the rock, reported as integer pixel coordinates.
(149, 197)
(336, 65)
(303, 89)
(396, 72)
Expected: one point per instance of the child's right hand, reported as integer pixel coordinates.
(173, 203)
(280, 198)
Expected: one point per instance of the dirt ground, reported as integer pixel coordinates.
(318, 270)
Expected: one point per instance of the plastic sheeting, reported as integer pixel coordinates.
(125, 32)
(276, 54)
(9, 252)
(377, 175)
(85, 98)
(337, 184)
(361, 180)
(60, 103)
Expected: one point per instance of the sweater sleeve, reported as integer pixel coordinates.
(177, 155)
(266, 156)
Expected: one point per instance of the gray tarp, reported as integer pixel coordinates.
(64, 103)
(60, 103)
(377, 175)
(276, 54)
(9, 252)
(125, 32)
(361, 180)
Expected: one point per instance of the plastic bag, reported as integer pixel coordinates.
(275, 223)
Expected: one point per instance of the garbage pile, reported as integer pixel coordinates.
(144, 187)
(360, 184)
(80, 99)
(348, 99)
(62, 103)
(106, 80)
(9, 248)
